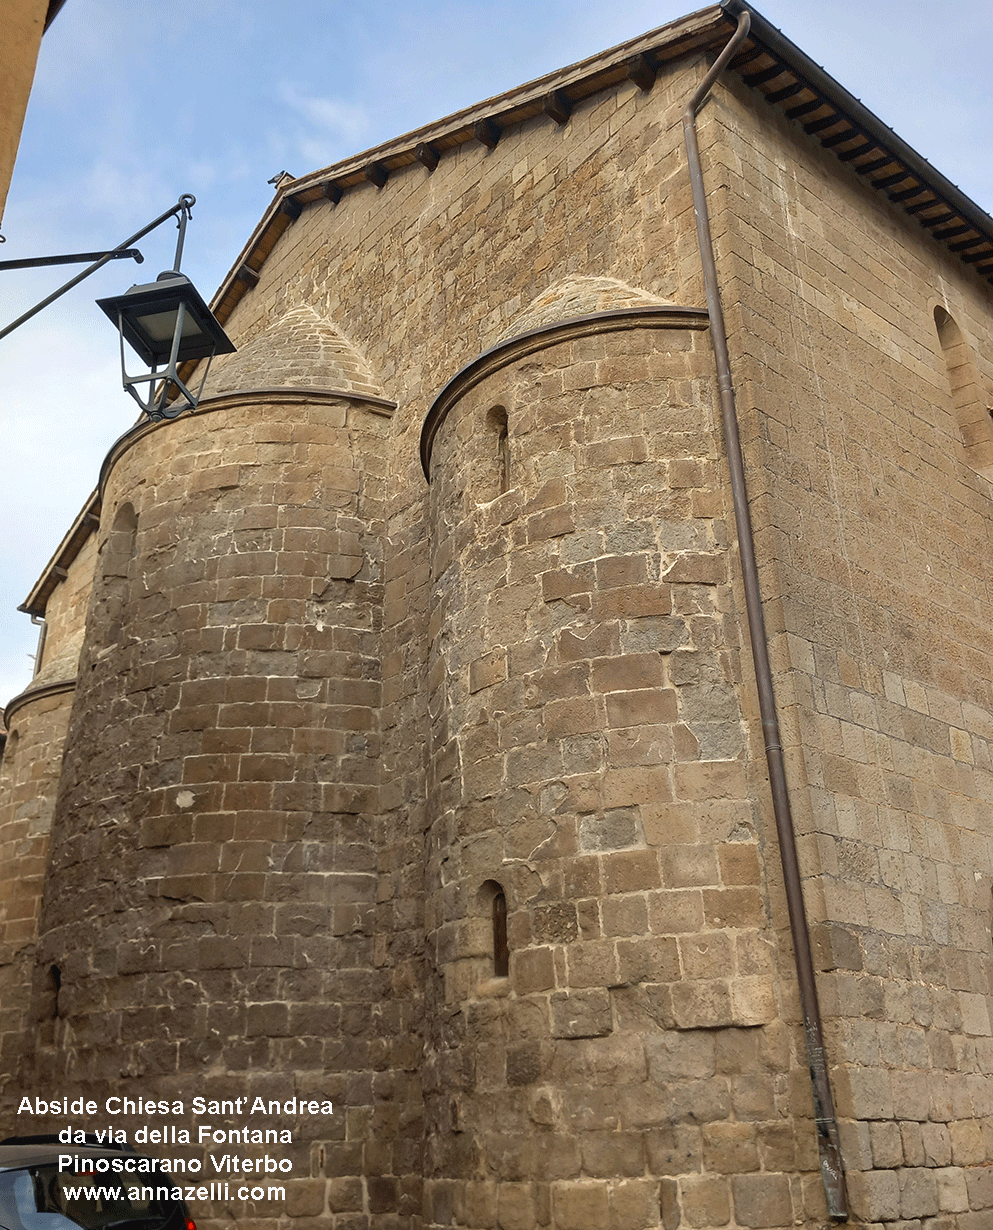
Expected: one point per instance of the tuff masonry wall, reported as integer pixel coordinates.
(530, 680)
(36, 721)
(590, 763)
(874, 533)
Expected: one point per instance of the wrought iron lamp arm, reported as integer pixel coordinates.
(71, 258)
(180, 211)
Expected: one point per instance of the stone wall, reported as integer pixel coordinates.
(32, 759)
(327, 717)
(590, 761)
(37, 721)
(212, 878)
(874, 533)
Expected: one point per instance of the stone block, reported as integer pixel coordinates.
(615, 829)
(619, 570)
(706, 1201)
(627, 672)
(634, 1204)
(645, 707)
(669, 1209)
(937, 1144)
(730, 1148)
(886, 1144)
(577, 715)
(532, 970)
(626, 915)
(918, 1192)
(733, 907)
(979, 1183)
(836, 947)
(592, 963)
(702, 1005)
(580, 1205)
(623, 451)
(524, 1064)
(685, 866)
(515, 1206)
(480, 1199)
(612, 1155)
(753, 1000)
(706, 780)
(762, 1200)
(648, 960)
(968, 1145)
(874, 1194)
(581, 1014)
(699, 568)
(635, 786)
(567, 582)
(740, 864)
(576, 644)
(633, 601)
(953, 1195)
(552, 523)
(630, 871)
(345, 1195)
(673, 912)
(305, 1197)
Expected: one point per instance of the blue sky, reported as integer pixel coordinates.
(135, 103)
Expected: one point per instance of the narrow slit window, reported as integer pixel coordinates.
(503, 449)
(971, 412)
(54, 987)
(501, 950)
(497, 464)
(117, 574)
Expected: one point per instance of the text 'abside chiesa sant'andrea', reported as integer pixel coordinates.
(558, 736)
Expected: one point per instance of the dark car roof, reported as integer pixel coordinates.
(16, 1157)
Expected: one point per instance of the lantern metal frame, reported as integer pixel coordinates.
(171, 292)
(143, 316)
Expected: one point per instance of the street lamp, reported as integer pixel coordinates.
(167, 323)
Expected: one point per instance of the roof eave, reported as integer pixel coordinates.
(57, 568)
(923, 193)
(766, 43)
(698, 31)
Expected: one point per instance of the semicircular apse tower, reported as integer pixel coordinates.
(212, 875)
(588, 774)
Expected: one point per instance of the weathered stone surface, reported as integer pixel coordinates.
(329, 719)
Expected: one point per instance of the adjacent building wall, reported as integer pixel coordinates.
(36, 721)
(23, 23)
(874, 530)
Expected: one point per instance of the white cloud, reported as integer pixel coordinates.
(333, 128)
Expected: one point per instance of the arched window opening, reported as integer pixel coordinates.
(54, 986)
(501, 949)
(117, 567)
(8, 746)
(489, 939)
(497, 453)
(121, 542)
(971, 412)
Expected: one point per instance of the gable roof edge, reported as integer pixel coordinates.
(922, 192)
(914, 177)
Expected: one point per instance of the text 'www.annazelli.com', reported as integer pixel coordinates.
(210, 1191)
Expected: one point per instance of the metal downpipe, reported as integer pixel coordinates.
(832, 1170)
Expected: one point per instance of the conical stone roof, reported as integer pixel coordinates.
(299, 350)
(574, 297)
